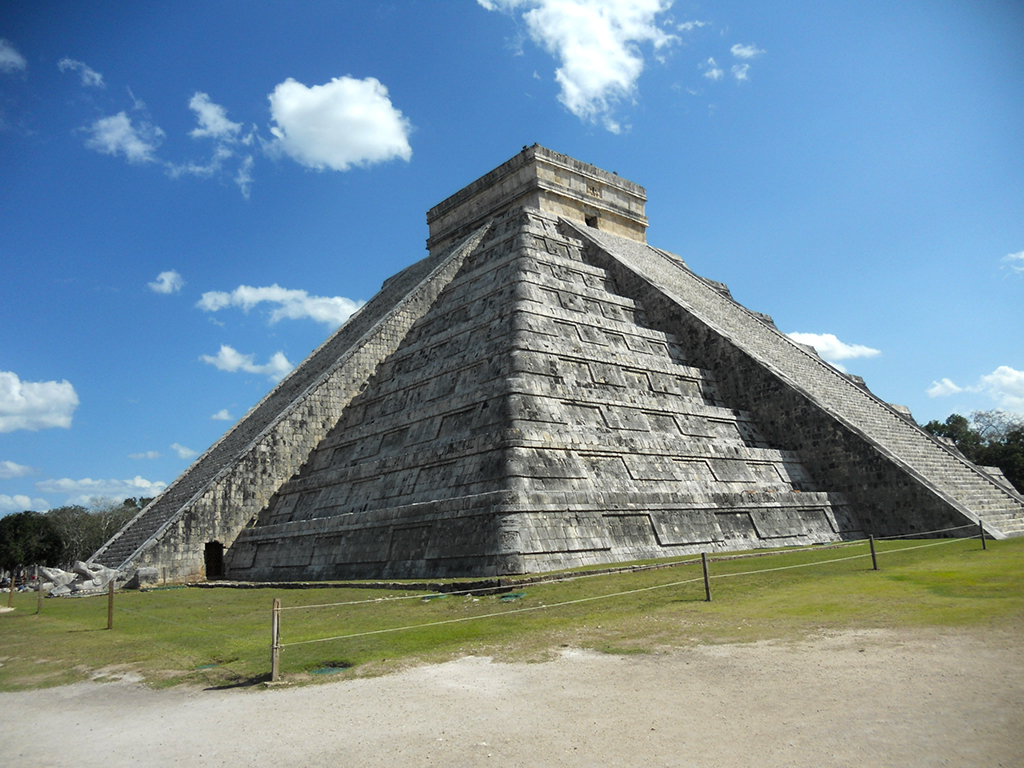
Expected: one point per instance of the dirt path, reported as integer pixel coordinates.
(861, 698)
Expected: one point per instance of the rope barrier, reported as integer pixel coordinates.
(463, 619)
(927, 533)
(555, 580)
(489, 615)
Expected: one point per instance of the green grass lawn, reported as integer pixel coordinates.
(221, 637)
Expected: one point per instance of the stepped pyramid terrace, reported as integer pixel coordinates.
(546, 390)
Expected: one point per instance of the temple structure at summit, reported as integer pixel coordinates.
(546, 390)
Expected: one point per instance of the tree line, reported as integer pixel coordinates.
(989, 439)
(63, 535)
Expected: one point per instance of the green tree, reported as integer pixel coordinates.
(958, 429)
(28, 538)
(990, 439)
(83, 531)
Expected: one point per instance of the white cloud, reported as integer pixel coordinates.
(21, 503)
(220, 154)
(10, 59)
(943, 388)
(90, 77)
(117, 135)
(222, 415)
(182, 451)
(689, 26)
(213, 119)
(231, 360)
(1005, 385)
(244, 176)
(739, 71)
(343, 123)
(1015, 261)
(597, 43)
(167, 282)
(149, 455)
(9, 470)
(830, 348)
(292, 304)
(35, 405)
(86, 490)
(711, 69)
(745, 51)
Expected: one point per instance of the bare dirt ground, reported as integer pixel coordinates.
(857, 698)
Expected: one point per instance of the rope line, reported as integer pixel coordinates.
(578, 601)
(927, 533)
(491, 615)
(558, 580)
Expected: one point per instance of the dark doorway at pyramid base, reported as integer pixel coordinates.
(213, 558)
(438, 541)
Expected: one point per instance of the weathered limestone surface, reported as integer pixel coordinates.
(227, 486)
(544, 391)
(899, 477)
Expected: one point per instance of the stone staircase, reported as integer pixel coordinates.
(147, 526)
(939, 467)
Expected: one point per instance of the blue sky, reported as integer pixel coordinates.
(195, 196)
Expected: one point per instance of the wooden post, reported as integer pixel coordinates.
(707, 579)
(874, 557)
(981, 527)
(275, 642)
(10, 592)
(110, 605)
(39, 592)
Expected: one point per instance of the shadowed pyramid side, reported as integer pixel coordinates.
(227, 486)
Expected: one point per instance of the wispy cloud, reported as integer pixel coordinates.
(343, 123)
(689, 26)
(167, 282)
(118, 135)
(711, 69)
(10, 470)
(90, 77)
(745, 51)
(148, 455)
(831, 349)
(290, 304)
(86, 490)
(1005, 385)
(231, 360)
(10, 59)
(222, 415)
(1015, 262)
(213, 119)
(35, 405)
(183, 452)
(597, 44)
(21, 503)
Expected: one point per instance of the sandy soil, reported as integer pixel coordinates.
(862, 698)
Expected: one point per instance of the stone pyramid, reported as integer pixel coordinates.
(545, 390)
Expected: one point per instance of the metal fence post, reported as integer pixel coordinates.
(981, 527)
(874, 557)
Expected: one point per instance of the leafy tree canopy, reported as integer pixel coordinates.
(988, 438)
(28, 538)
